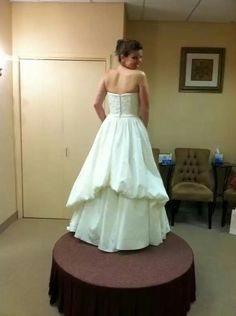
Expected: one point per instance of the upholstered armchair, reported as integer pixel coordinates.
(191, 180)
(229, 195)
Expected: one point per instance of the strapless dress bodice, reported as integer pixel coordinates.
(123, 105)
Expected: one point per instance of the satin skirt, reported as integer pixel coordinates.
(119, 195)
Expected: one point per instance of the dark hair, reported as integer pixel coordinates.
(125, 47)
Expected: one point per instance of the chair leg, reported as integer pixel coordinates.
(211, 208)
(224, 212)
(174, 209)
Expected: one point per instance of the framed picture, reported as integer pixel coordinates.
(201, 69)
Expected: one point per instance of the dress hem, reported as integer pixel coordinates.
(117, 249)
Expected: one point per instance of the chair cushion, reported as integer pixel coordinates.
(230, 195)
(191, 191)
(192, 165)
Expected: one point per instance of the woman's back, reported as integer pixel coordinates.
(123, 80)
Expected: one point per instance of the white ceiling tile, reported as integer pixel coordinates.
(134, 11)
(215, 11)
(168, 10)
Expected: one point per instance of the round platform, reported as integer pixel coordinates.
(152, 281)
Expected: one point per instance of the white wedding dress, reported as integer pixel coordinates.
(119, 193)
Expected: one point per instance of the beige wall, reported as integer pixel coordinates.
(66, 29)
(7, 169)
(57, 30)
(188, 119)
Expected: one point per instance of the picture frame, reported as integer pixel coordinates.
(201, 69)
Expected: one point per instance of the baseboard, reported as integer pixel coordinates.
(8, 222)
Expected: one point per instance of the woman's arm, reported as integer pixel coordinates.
(99, 99)
(144, 99)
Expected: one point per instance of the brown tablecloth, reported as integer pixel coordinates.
(156, 281)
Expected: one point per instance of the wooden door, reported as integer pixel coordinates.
(58, 128)
(80, 120)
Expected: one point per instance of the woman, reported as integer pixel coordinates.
(119, 193)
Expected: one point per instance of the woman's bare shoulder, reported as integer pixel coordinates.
(140, 73)
(110, 73)
(140, 76)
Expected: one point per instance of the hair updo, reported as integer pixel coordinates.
(125, 46)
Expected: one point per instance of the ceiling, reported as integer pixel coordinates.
(218, 11)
